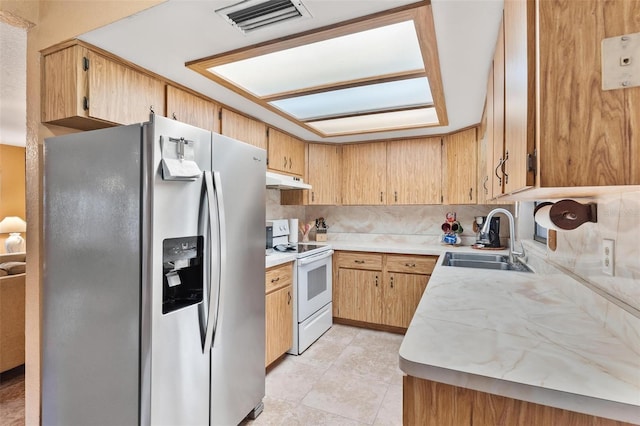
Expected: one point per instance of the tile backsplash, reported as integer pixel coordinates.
(579, 251)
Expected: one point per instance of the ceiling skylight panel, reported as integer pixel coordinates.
(380, 51)
(374, 97)
(378, 122)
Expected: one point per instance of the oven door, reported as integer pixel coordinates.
(314, 283)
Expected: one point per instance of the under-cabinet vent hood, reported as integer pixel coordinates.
(278, 181)
(251, 15)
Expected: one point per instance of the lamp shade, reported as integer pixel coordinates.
(12, 224)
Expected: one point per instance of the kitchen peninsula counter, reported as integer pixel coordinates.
(541, 337)
(522, 336)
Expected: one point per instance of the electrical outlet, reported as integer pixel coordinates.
(608, 256)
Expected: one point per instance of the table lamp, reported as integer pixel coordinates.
(13, 225)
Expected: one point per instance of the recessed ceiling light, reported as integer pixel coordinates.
(377, 73)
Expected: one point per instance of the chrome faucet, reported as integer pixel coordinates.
(484, 233)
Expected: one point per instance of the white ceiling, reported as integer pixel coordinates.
(161, 39)
(166, 36)
(13, 87)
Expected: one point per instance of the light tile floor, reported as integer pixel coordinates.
(350, 376)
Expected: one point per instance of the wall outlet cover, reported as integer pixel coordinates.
(608, 256)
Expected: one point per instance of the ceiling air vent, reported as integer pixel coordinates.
(251, 15)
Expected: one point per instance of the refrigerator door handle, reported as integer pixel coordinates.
(214, 303)
(222, 248)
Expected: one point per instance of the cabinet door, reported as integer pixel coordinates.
(588, 136)
(64, 88)
(358, 295)
(286, 153)
(325, 174)
(188, 108)
(402, 293)
(120, 94)
(485, 141)
(244, 129)
(460, 164)
(364, 174)
(279, 323)
(496, 149)
(413, 171)
(519, 90)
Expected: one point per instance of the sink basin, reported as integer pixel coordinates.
(483, 261)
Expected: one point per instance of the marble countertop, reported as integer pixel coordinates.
(276, 259)
(519, 335)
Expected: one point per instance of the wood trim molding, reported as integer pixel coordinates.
(420, 13)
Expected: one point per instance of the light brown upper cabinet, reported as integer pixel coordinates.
(191, 109)
(84, 89)
(413, 171)
(325, 174)
(286, 153)
(364, 168)
(459, 167)
(564, 135)
(242, 128)
(519, 99)
(587, 135)
(495, 145)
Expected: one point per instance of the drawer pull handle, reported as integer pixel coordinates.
(392, 282)
(359, 262)
(410, 265)
(288, 298)
(275, 280)
(376, 281)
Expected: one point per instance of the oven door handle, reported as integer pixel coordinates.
(315, 258)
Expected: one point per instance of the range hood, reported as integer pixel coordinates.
(278, 181)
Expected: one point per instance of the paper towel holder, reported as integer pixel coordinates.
(566, 215)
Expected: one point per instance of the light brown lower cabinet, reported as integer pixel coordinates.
(429, 403)
(278, 312)
(378, 288)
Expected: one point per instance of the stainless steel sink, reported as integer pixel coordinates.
(483, 261)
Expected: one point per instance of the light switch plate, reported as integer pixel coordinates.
(608, 256)
(621, 62)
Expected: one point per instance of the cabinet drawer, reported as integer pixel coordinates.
(411, 264)
(360, 260)
(278, 277)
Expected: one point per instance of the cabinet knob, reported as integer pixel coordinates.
(275, 280)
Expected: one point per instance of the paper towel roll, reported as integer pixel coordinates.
(565, 215)
(293, 231)
(543, 217)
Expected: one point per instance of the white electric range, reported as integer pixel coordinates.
(313, 287)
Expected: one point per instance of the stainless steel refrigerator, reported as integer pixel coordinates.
(153, 294)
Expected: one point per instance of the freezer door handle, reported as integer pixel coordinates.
(214, 302)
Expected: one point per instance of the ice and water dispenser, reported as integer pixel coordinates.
(182, 270)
